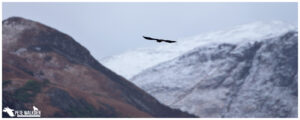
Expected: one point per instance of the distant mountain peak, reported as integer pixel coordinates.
(135, 61)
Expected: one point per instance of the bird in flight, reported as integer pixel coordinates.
(159, 40)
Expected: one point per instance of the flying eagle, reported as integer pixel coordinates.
(159, 40)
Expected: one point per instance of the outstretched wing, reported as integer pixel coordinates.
(149, 38)
(169, 41)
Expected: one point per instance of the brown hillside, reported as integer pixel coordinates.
(48, 69)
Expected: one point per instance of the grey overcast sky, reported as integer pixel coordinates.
(112, 28)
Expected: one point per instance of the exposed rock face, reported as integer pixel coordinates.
(48, 69)
(250, 79)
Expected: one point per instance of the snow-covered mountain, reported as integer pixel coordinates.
(257, 79)
(133, 62)
(247, 71)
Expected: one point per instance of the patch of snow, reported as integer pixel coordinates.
(20, 51)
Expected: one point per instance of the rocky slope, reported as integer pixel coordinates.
(239, 78)
(48, 69)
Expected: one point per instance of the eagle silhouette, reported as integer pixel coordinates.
(159, 40)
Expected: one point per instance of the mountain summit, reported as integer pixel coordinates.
(48, 69)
